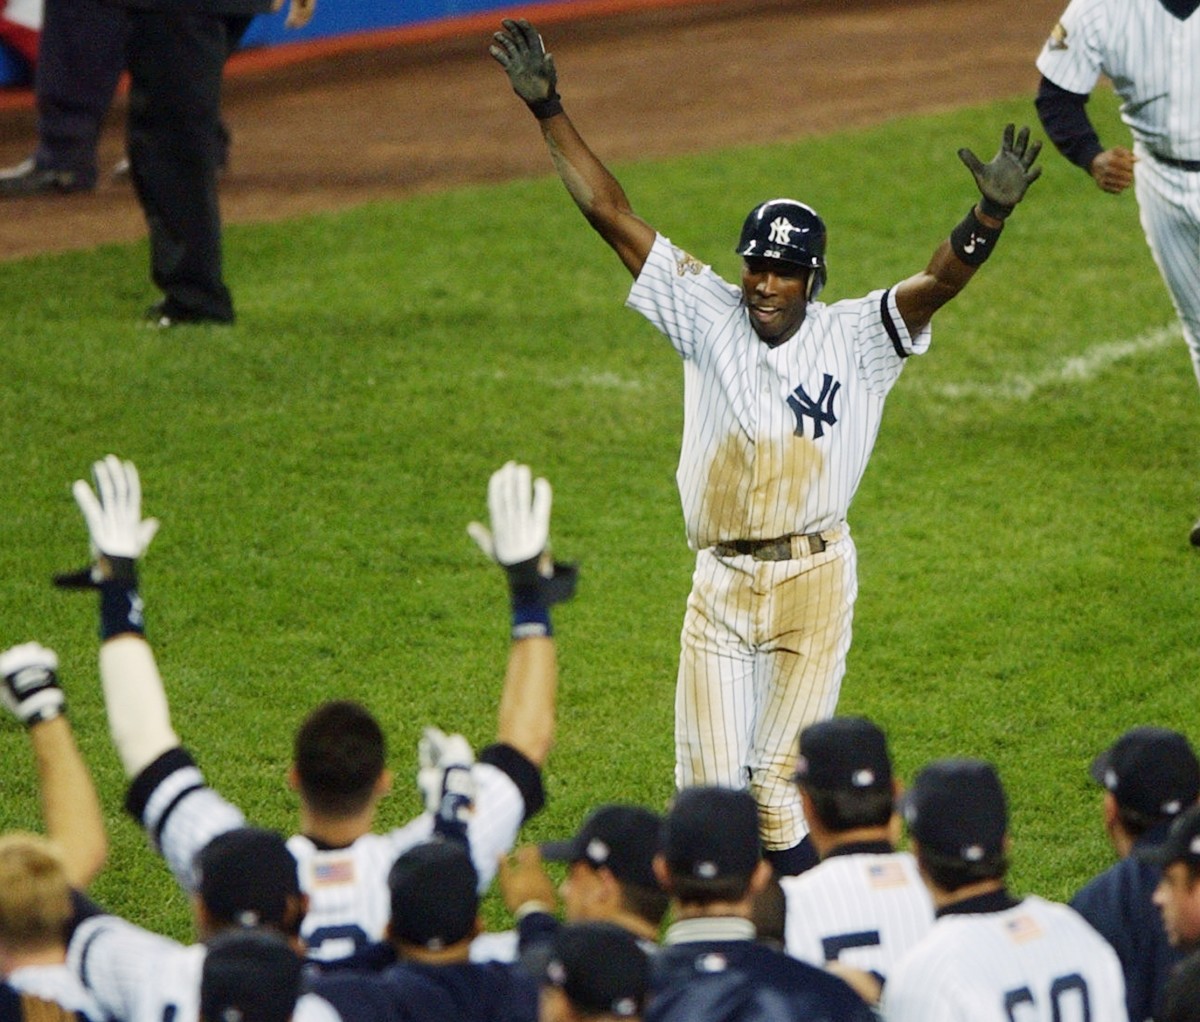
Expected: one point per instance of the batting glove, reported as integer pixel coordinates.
(31, 690)
(520, 51)
(1004, 180)
(446, 782)
(119, 535)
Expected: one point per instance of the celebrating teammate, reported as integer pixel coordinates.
(1148, 49)
(864, 904)
(339, 767)
(991, 957)
(782, 402)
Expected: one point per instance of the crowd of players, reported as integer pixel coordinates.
(670, 916)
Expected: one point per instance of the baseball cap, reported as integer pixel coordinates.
(1182, 843)
(956, 807)
(621, 838)
(249, 976)
(600, 967)
(1151, 770)
(434, 894)
(844, 753)
(711, 832)
(246, 876)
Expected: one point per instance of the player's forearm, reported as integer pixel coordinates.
(139, 718)
(596, 192)
(526, 717)
(70, 806)
(1064, 118)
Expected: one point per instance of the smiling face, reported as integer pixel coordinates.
(776, 296)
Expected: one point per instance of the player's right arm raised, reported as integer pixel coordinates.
(519, 50)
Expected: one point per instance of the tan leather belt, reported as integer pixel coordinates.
(785, 548)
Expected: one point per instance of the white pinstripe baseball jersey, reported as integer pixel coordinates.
(56, 983)
(863, 909)
(1037, 962)
(139, 976)
(775, 440)
(1152, 57)
(347, 887)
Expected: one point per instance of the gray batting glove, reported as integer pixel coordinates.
(1004, 180)
(31, 690)
(520, 51)
(118, 533)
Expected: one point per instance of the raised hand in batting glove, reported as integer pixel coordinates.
(1004, 179)
(119, 535)
(31, 690)
(446, 782)
(518, 541)
(520, 51)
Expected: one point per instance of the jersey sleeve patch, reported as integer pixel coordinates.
(1058, 37)
(686, 263)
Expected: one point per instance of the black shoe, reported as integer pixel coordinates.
(27, 178)
(166, 314)
(1194, 535)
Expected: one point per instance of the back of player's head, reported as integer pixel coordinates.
(845, 768)
(622, 839)
(1152, 773)
(247, 877)
(249, 976)
(435, 895)
(339, 754)
(600, 968)
(710, 844)
(957, 812)
(35, 895)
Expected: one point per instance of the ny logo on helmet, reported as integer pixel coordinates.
(781, 231)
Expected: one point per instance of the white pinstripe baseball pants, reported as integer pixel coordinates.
(764, 647)
(1169, 208)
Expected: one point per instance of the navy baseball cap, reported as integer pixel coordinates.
(957, 808)
(249, 976)
(435, 895)
(1151, 770)
(246, 876)
(600, 967)
(844, 753)
(711, 832)
(620, 838)
(1182, 843)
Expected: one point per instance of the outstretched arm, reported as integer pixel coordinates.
(70, 807)
(1002, 184)
(519, 50)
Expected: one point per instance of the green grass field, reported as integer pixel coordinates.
(1027, 591)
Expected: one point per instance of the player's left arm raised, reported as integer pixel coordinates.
(1002, 184)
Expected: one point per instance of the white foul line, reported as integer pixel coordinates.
(1075, 369)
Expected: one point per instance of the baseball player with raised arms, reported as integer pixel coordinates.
(783, 397)
(339, 766)
(1150, 50)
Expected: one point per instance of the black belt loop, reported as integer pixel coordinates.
(1171, 161)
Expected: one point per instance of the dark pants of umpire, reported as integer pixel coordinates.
(80, 58)
(176, 59)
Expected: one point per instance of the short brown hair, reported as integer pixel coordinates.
(35, 895)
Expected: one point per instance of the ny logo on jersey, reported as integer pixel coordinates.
(820, 410)
(781, 230)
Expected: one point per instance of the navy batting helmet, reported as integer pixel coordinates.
(790, 231)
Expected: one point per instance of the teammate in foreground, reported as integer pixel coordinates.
(343, 866)
(1148, 49)
(1177, 897)
(864, 904)
(991, 957)
(37, 873)
(782, 402)
(1149, 775)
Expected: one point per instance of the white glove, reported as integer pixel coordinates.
(519, 507)
(31, 690)
(446, 781)
(114, 521)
